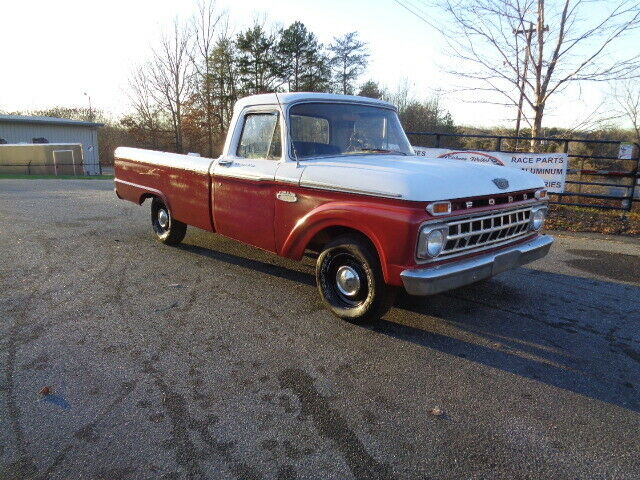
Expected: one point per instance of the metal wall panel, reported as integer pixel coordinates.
(41, 159)
(87, 136)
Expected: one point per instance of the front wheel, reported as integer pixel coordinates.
(350, 280)
(167, 229)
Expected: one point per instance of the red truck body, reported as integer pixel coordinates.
(384, 202)
(196, 198)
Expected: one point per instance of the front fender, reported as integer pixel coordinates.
(390, 228)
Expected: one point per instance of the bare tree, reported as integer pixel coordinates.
(402, 96)
(522, 53)
(205, 29)
(171, 76)
(627, 98)
(147, 111)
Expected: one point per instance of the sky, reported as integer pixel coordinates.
(53, 52)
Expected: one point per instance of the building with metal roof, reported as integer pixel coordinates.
(20, 130)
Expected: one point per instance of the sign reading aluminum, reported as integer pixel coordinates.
(551, 167)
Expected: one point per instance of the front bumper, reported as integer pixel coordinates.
(429, 281)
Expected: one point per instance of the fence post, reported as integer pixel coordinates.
(499, 144)
(437, 140)
(566, 150)
(634, 179)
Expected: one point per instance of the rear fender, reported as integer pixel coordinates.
(139, 193)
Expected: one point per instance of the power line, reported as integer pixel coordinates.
(413, 12)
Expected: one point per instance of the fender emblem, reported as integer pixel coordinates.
(289, 197)
(501, 183)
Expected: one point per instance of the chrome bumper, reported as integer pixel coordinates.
(432, 280)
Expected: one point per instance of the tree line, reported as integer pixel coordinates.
(182, 98)
(199, 69)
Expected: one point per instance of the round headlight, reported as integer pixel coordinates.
(431, 241)
(435, 243)
(537, 219)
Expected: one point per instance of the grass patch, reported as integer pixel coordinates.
(580, 219)
(55, 177)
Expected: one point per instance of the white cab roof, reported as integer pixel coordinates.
(288, 98)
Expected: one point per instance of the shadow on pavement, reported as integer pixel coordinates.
(558, 329)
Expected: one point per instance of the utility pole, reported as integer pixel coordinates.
(528, 32)
(90, 111)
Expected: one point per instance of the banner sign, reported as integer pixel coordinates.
(551, 167)
(626, 151)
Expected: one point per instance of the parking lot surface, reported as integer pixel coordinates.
(217, 360)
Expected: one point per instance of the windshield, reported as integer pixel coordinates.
(330, 129)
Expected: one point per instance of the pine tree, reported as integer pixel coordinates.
(348, 60)
(258, 65)
(301, 61)
(224, 79)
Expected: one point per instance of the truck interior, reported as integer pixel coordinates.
(330, 129)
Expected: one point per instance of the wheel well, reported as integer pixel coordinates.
(324, 236)
(145, 196)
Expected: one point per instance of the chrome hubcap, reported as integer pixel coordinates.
(163, 218)
(347, 281)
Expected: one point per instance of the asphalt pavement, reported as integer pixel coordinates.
(216, 360)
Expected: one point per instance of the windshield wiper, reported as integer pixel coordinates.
(379, 150)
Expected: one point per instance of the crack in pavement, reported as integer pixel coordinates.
(331, 426)
(187, 455)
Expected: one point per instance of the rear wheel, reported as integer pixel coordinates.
(167, 229)
(350, 280)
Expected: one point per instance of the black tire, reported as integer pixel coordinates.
(358, 300)
(168, 230)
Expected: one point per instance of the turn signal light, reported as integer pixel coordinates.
(439, 208)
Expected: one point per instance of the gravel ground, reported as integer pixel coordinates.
(216, 360)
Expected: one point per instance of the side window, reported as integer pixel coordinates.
(260, 137)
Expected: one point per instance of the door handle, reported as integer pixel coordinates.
(225, 161)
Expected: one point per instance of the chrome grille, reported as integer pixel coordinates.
(484, 230)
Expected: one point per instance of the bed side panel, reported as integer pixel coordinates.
(182, 181)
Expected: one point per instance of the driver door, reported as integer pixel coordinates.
(243, 182)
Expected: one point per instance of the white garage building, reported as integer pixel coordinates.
(18, 129)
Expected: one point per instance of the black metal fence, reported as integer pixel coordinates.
(45, 159)
(596, 176)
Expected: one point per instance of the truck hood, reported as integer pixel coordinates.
(413, 178)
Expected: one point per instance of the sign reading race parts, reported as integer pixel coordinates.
(551, 167)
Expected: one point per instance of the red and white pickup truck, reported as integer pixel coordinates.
(336, 175)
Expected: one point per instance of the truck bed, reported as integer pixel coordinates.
(182, 181)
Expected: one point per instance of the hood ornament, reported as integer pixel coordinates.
(501, 183)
